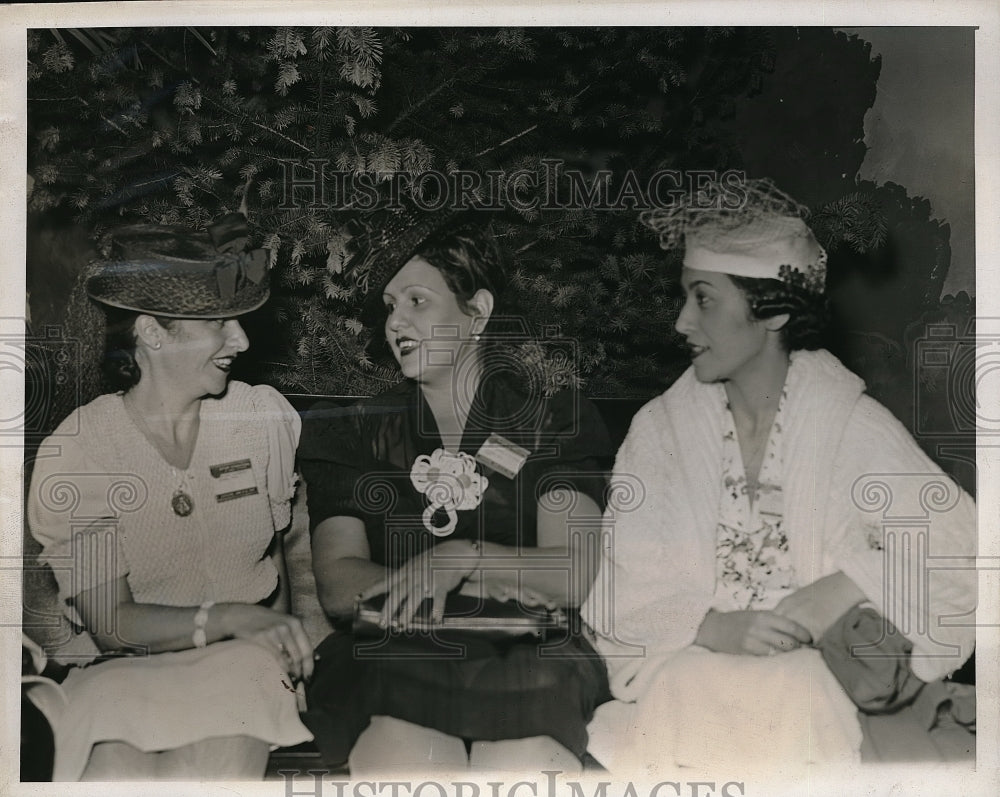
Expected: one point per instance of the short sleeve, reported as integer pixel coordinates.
(284, 428)
(76, 509)
(576, 434)
(330, 460)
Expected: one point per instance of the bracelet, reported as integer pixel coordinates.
(200, 621)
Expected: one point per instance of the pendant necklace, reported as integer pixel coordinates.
(181, 501)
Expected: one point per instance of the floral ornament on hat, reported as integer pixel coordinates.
(746, 229)
(450, 482)
(810, 278)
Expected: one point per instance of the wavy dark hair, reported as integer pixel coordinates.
(470, 260)
(808, 313)
(119, 367)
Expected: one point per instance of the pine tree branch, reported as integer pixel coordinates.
(506, 141)
(155, 180)
(57, 99)
(282, 135)
(82, 38)
(257, 153)
(199, 37)
(112, 124)
(222, 107)
(413, 108)
(170, 64)
(319, 106)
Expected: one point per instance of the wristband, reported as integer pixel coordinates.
(200, 621)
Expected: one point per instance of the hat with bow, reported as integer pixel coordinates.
(178, 273)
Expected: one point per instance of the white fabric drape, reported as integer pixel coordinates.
(847, 461)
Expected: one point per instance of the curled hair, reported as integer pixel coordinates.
(470, 260)
(119, 366)
(808, 313)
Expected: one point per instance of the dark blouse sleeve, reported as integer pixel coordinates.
(576, 448)
(330, 460)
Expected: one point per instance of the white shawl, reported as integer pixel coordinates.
(657, 578)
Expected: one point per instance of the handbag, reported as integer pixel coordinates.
(871, 660)
(465, 614)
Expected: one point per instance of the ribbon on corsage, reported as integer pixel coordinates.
(230, 235)
(450, 483)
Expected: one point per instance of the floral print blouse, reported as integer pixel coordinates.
(753, 564)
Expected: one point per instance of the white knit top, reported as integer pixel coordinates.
(100, 501)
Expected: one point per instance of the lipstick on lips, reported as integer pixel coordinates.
(406, 345)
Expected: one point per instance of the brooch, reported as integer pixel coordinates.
(450, 482)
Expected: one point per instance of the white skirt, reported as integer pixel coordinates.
(704, 710)
(167, 700)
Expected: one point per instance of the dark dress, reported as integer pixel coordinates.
(357, 462)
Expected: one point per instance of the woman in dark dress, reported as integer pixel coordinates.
(459, 479)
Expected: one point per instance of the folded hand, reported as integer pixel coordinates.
(758, 633)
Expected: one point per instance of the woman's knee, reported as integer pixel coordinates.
(391, 744)
(219, 758)
(119, 761)
(533, 754)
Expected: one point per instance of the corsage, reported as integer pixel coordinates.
(450, 483)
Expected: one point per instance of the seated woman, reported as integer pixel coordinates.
(158, 508)
(751, 531)
(457, 478)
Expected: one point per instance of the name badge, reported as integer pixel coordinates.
(503, 456)
(235, 480)
(229, 470)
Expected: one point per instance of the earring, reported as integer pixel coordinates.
(477, 337)
(156, 345)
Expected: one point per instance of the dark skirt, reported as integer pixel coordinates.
(465, 685)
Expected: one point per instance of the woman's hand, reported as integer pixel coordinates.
(758, 633)
(508, 589)
(282, 634)
(818, 605)
(432, 574)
